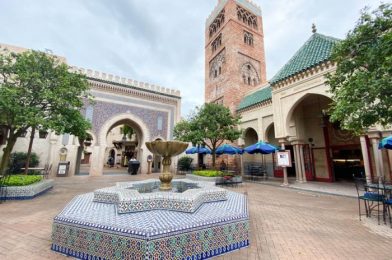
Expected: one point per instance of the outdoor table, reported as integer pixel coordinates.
(387, 187)
(387, 192)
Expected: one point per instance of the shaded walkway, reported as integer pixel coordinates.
(334, 188)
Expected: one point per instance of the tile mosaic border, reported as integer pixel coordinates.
(127, 198)
(84, 243)
(26, 192)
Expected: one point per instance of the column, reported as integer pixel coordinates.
(285, 180)
(388, 157)
(366, 159)
(53, 157)
(298, 173)
(375, 139)
(302, 162)
(97, 161)
(298, 176)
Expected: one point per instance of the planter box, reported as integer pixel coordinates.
(193, 177)
(25, 192)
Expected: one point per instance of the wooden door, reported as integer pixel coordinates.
(308, 160)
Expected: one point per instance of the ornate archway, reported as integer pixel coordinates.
(250, 136)
(100, 151)
(320, 147)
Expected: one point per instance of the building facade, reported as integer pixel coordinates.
(289, 110)
(151, 111)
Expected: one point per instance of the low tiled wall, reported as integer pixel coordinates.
(210, 179)
(25, 192)
(198, 244)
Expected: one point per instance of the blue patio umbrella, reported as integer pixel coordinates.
(228, 149)
(386, 143)
(261, 147)
(199, 150)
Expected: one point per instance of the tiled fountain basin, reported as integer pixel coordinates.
(88, 230)
(129, 197)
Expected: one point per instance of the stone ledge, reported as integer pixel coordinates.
(25, 192)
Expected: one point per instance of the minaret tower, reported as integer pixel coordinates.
(234, 52)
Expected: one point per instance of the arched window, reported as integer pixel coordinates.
(89, 113)
(216, 24)
(216, 65)
(216, 43)
(246, 17)
(248, 38)
(160, 123)
(249, 74)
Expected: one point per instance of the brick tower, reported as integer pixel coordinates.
(234, 52)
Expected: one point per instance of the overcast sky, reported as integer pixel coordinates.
(162, 41)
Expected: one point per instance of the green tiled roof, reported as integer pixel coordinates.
(315, 51)
(259, 96)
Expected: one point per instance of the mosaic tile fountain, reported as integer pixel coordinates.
(138, 220)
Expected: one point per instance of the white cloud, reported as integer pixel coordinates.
(161, 41)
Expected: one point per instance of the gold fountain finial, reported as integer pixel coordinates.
(314, 29)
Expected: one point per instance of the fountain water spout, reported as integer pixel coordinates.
(166, 149)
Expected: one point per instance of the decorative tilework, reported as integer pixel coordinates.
(90, 230)
(104, 111)
(255, 98)
(127, 198)
(201, 244)
(25, 192)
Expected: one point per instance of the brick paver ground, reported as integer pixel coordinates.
(285, 224)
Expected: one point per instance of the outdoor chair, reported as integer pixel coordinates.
(256, 172)
(371, 199)
(228, 180)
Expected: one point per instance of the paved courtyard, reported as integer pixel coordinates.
(285, 223)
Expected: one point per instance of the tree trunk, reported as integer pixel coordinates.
(213, 158)
(29, 151)
(6, 155)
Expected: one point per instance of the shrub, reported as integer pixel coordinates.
(21, 180)
(18, 161)
(209, 173)
(184, 163)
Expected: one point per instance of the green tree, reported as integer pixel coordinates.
(38, 91)
(361, 87)
(211, 125)
(127, 131)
